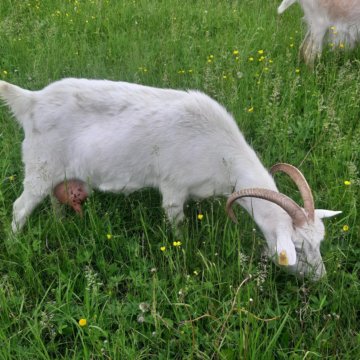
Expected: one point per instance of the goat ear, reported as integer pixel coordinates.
(322, 214)
(286, 252)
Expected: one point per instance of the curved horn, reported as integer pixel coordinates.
(294, 210)
(300, 181)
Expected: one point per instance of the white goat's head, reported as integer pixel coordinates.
(301, 253)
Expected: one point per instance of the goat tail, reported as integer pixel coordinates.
(19, 100)
(284, 5)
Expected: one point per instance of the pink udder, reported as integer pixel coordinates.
(72, 193)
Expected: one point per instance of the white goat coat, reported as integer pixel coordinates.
(121, 137)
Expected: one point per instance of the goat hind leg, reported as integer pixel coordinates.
(307, 49)
(311, 47)
(24, 205)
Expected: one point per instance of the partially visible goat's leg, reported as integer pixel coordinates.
(26, 203)
(304, 45)
(173, 204)
(308, 49)
(311, 46)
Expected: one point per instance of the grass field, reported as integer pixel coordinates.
(112, 285)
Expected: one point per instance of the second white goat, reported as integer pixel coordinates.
(339, 19)
(121, 137)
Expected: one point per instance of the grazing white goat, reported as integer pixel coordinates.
(121, 137)
(339, 18)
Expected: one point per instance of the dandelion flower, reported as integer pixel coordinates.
(236, 52)
(251, 58)
(347, 183)
(163, 248)
(144, 307)
(346, 228)
(109, 236)
(297, 71)
(82, 322)
(260, 52)
(200, 216)
(177, 243)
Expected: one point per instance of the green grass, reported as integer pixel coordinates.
(213, 297)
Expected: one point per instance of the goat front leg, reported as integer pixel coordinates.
(25, 204)
(173, 204)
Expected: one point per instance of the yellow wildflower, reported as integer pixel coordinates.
(163, 248)
(346, 228)
(200, 216)
(12, 177)
(177, 243)
(250, 109)
(236, 52)
(297, 71)
(82, 322)
(347, 183)
(5, 72)
(109, 236)
(251, 58)
(260, 52)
